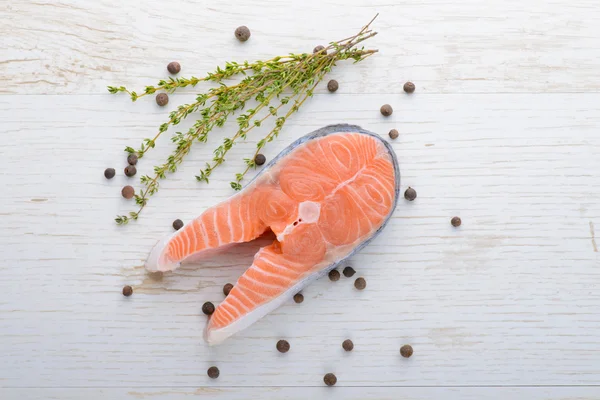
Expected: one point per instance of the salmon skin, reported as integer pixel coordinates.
(324, 197)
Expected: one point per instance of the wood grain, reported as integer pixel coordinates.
(66, 47)
(280, 393)
(502, 131)
(509, 298)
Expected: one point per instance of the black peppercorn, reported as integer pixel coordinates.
(208, 308)
(349, 272)
(332, 85)
(127, 291)
(410, 194)
(320, 49)
(177, 224)
(130, 170)
(409, 87)
(109, 173)
(330, 379)
(456, 221)
(242, 33)
(260, 159)
(386, 110)
(128, 192)
(348, 345)
(132, 159)
(283, 346)
(406, 350)
(360, 283)
(213, 372)
(162, 99)
(174, 67)
(394, 134)
(227, 288)
(334, 275)
(298, 298)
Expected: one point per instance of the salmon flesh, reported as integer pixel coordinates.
(324, 197)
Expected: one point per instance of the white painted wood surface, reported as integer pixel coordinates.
(503, 131)
(347, 393)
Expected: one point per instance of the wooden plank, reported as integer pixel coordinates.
(279, 393)
(66, 47)
(509, 298)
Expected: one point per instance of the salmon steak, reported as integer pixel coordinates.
(324, 197)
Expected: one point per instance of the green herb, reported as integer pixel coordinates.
(279, 85)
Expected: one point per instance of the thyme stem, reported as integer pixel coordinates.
(291, 79)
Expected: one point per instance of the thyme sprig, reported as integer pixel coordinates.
(286, 80)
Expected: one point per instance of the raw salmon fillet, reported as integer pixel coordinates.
(324, 197)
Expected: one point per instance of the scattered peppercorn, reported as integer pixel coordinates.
(130, 170)
(127, 291)
(406, 350)
(320, 48)
(349, 272)
(348, 345)
(283, 346)
(227, 288)
(334, 275)
(332, 85)
(360, 283)
(174, 67)
(456, 221)
(386, 110)
(128, 192)
(409, 87)
(177, 224)
(242, 33)
(298, 298)
(330, 379)
(213, 372)
(410, 194)
(132, 159)
(162, 99)
(260, 159)
(394, 134)
(109, 173)
(208, 308)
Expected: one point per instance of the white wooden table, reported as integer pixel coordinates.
(503, 131)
